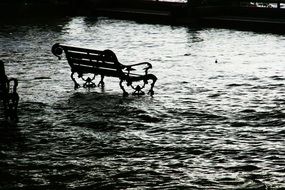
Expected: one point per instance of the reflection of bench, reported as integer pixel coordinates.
(8, 93)
(104, 63)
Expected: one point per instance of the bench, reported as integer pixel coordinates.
(104, 63)
(8, 93)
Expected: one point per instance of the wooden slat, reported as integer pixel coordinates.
(90, 56)
(105, 72)
(71, 48)
(84, 55)
(92, 63)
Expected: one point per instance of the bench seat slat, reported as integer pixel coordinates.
(92, 56)
(107, 72)
(92, 63)
(97, 71)
(84, 55)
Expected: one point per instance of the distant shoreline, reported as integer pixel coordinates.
(256, 16)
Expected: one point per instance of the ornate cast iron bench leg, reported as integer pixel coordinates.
(125, 93)
(154, 79)
(76, 85)
(101, 83)
(138, 90)
(88, 83)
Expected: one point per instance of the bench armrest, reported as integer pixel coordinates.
(130, 67)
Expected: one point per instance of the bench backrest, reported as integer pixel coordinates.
(83, 60)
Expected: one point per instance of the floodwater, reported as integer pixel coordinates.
(216, 121)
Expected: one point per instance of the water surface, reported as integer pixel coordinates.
(216, 120)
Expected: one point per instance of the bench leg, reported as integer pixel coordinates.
(125, 93)
(11, 106)
(101, 83)
(76, 85)
(138, 90)
(154, 79)
(88, 83)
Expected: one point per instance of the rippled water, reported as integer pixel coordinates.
(209, 126)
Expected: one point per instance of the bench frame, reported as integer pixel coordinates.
(105, 63)
(8, 93)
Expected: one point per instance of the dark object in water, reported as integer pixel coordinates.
(8, 94)
(105, 63)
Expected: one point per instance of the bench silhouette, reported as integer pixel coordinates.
(8, 93)
(104, 63)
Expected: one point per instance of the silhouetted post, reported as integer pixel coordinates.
(3, 85)
(2, 72)
(9, 98)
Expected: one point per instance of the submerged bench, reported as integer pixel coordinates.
(8, 93)
(104, 63)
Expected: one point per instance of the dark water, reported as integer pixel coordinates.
(209, 126)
